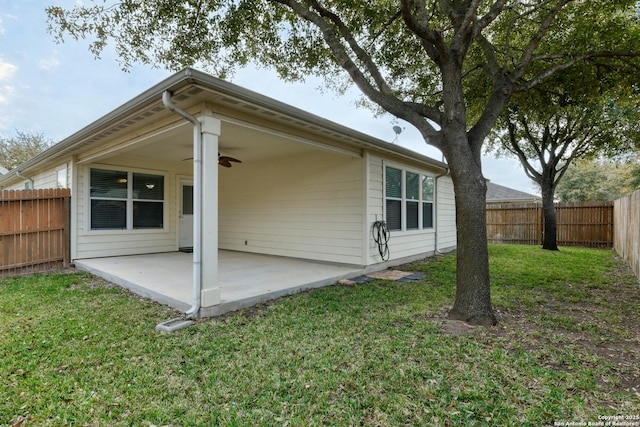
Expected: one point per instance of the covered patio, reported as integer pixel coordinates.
(296, 210)
(244, 279)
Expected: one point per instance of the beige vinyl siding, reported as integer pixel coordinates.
(375, 204)
(446, 214)
(47, 178)
(410, 243)
(306, 206)
(375, 208)
(104, 243)
(16, 186)
(403, 244)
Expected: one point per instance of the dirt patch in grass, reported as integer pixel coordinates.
(604, 326)
(598, 330)
(615, 361)
(93, 283)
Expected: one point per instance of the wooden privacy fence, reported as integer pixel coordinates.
(34, 230)
(627, 230)
(588, 224)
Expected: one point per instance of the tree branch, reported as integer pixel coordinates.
(360, 53)
(527, 54)
(464, 28)
(529, 84)
(391, 20)
(529, 170)
(487, 19)
(382, 95)
(418, 22)
(431, 113)
(482, 128)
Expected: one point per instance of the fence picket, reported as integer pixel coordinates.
(587, 224)
(34, 230)
(626, 234)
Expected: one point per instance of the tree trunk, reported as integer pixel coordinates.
(550, 236)
(473, 296)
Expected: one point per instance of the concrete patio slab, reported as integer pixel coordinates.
(245, 279)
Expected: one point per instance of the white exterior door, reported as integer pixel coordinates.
(186, 214)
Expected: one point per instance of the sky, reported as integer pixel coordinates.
(58, 89)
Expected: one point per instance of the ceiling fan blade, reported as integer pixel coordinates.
(226, 161)
(222, 161)
(229, 159)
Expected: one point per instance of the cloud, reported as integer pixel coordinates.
(48, 64)
(7, 70)
(5, 93)
(6, 15)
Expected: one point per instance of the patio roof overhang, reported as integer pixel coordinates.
(245, 116)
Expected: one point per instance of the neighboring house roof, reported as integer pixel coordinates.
(193, 86)
(3, 171)
(501, 194)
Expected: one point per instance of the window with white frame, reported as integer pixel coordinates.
(409, 199)
(428, 191)
(122, 200)
(61, 178)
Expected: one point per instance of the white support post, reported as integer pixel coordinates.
(210, 292)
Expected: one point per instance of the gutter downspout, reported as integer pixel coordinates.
(31, 183)
(197, 201)
(435, 199)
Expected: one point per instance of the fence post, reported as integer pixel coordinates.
(66, 221)
(540, 224)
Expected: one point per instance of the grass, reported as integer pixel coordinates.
(75, 351)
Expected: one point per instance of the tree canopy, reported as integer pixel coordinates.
(448, 67)
(599, 180)
(592, 109)
(23, 146)
(395, 51)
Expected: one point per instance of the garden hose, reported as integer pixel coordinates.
(381, 236)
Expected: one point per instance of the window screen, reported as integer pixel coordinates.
(394, 183)
(123, 200)
(148, 187)
(428, 185)
(412, 215)
(393, 193)
(413, 186)
(427, 215)
(148, 214)
(409, 200)
(109, 184)
(108, 215)
(427, 188)
(394, 214)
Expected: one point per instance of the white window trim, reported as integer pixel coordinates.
(129, 228)
(404, 199)
(65, 171)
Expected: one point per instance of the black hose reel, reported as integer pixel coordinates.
(381, 236)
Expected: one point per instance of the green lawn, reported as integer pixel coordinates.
(76, 352)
